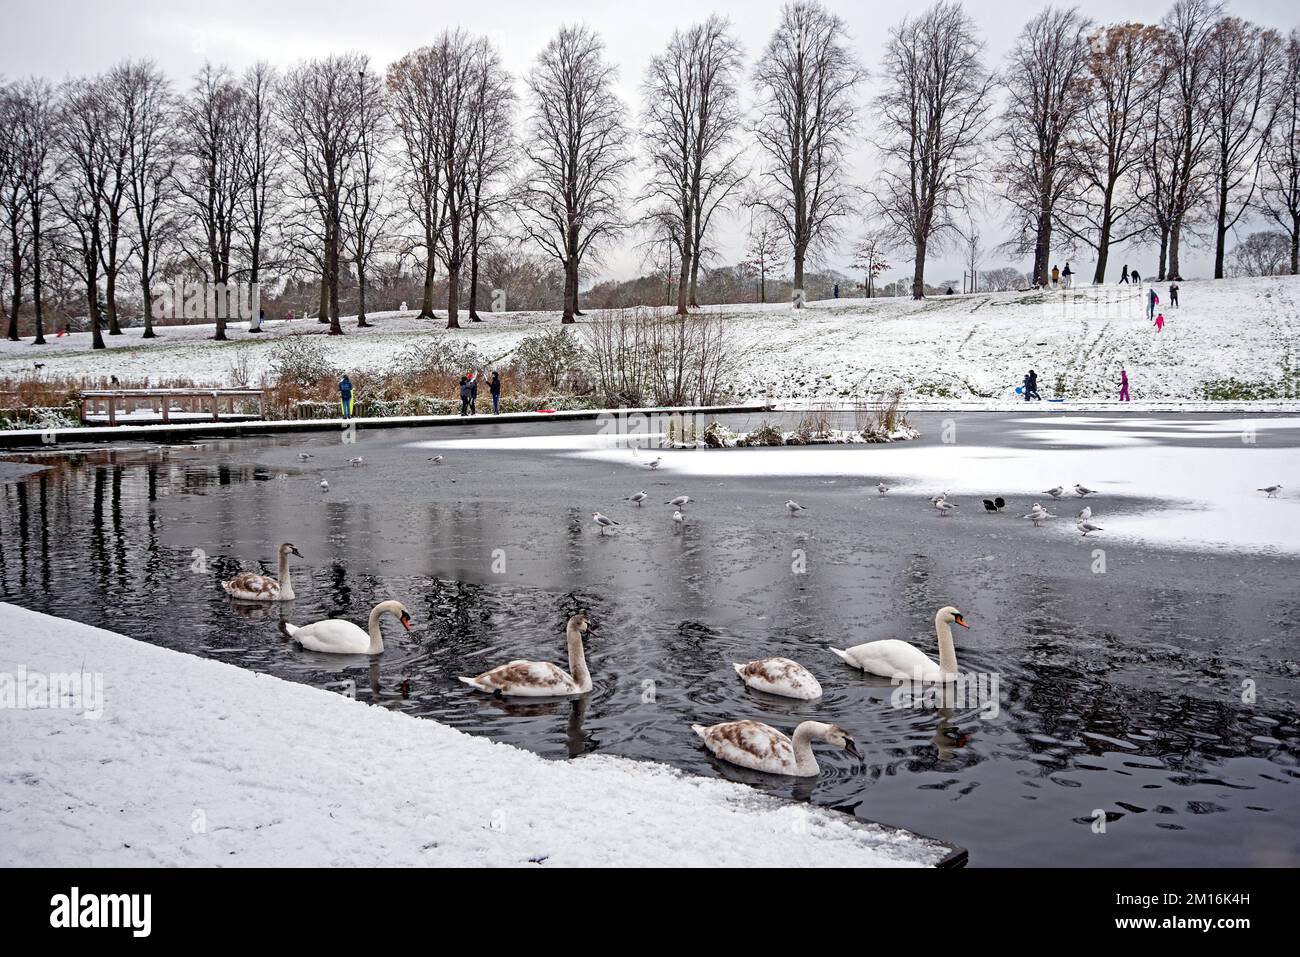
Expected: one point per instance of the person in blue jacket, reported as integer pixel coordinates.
(345, 396)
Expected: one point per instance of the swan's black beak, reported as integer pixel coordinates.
(296, 552)
(852, 748)
(406, 621)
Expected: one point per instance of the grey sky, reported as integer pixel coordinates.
(56, 39)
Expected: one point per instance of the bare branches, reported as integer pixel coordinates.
(932, 116)
(806, 81)
(1279, 192)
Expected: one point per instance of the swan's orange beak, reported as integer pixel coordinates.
(961, 621)
(406, 621)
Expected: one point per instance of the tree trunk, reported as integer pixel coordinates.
(110, 303)
(324, 315)
(1175, 235)
(1103, 243)
(453, 296)
(332, 271)
(1295, 244)
(918, 272)
(1221, 228)
(694, 301)
(473, 270)
(1043, 247)
(92, 297)
(36, 276)
(147, 299)
(1164, 253)
(16, 275)
(798, 278)
(684, 273)
(570, 288)
(362, 322)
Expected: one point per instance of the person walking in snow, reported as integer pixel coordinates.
(1123, 385)
(473, 393)
(1160, 322)
(1153, 300)
(345, 396)
(1173, 294)
(1067, 276)
(1135, 277)
(495, 388)
(1123, 275)
(1031, 386)
(464, 394)
(1056, 276)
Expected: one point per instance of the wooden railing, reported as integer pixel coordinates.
(189, 404)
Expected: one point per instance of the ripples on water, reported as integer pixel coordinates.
(1142, 729)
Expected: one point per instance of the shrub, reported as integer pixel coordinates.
(301, 360)
(555, 356)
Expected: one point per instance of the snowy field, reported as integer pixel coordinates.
(952, 347)
(185, 761)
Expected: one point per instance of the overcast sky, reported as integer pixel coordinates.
(56, 38)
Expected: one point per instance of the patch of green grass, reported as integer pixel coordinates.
(1232, 390)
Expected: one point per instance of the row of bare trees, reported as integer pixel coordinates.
(1095, 136)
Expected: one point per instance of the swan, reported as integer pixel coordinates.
(250, 586)
(780, 676)
(760, 747)
(892, 657)
(338, 637)
(541, 679)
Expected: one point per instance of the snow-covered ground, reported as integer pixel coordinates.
(178, 760)
(972, 346)
(1172, 491)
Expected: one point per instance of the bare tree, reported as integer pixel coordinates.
(13, 209)
(261, 162)
(1243, 66)
(1262, 254)
(85, 172)
(1279, 193)
(321, 110)
(149, 109)
(414, 86)
(1045, 82)
(576, 152)
(869, 257)
(492, 154)
(933, 115)
(806, 82)
(765, 247)
(34, 134)
(1107, 152)
(212, 182)
(1185, 146)
(365, 213)
(690, 118)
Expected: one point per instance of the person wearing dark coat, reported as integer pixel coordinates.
(464, 395)
(1031, 386)
(345, 396)
(1173, 294)
(473, 393)
(1123, 275)
(495, 388)
(1135, 277)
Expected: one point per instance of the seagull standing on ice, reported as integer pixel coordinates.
(304, 456)
(324, 485)
(678, 518)
(944, 506)
(604, 521)
(639, 497)
(655, 463)
(1038, 514)
(1272, 490)
(1054, 492)
(357, 461)
(1086, 527)
(1083, 491)
(882, 488)
(1085, 513)
(792, 506)
(679, 501)
(436, 460)
(935, 500)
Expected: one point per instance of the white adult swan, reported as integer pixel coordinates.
(760, 747)
(892, 657)
(780, 676)
(541, 679)
(251, 586)
(338, 637)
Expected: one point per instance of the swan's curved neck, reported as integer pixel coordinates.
(376, 636)
(947, 653)
(285, 584)
(805, 762)
(578, 660)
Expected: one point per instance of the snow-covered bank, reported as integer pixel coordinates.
(1238, 338)
(196, 762)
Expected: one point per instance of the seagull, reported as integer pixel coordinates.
(1083, 490)
(436, 460)
(1054, 492)
(638, 497)
(994, 504)
(357, 461)
(882, 488)
(1272, 490)
(324, 485)
(1038, 514)
(679, 501)
(938, 498)
(1087, 527)
(1085, 513)
(604, 521)
(678, 517)
(304, 456)
(794, 506)
(655, 463)
(944, 506)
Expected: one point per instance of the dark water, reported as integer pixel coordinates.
(1119, 693)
